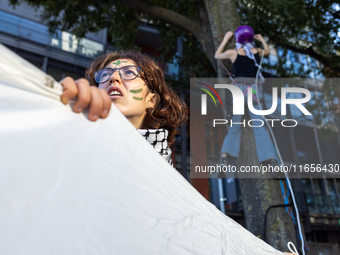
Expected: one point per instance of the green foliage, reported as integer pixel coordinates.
(300, 25)
(303, 25)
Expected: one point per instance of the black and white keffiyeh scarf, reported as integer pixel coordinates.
(158, 139)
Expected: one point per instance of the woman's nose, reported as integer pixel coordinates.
(115, 77)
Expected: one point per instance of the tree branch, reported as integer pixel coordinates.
(311, 52)
(200, 27)
(166, 15)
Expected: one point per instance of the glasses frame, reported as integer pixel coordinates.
(115, 69)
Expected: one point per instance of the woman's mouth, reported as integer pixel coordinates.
(115, 92)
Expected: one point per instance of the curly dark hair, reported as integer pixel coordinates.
(169, 111)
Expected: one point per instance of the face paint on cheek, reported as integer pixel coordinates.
(138, 98)
(119, 62)
(136, 91)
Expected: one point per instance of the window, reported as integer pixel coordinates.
(306, 145)
(36, 32)
(330, 149)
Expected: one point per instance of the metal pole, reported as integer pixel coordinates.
(220, 192)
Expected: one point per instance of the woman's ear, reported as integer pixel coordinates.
(151, 99)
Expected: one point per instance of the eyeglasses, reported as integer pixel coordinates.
(125, 72)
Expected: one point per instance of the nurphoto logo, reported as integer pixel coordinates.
(238, 104)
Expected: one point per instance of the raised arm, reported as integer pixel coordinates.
(226, 54)
(264, 44)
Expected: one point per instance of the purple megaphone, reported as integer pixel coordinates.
(244, 34)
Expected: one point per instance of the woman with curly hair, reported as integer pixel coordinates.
(135, 84)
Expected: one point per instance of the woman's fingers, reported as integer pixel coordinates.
(70, 89)
(96, 104)
(84, 95)
(228, 35)
(98, 101)
(258, 36)
(106, 103)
